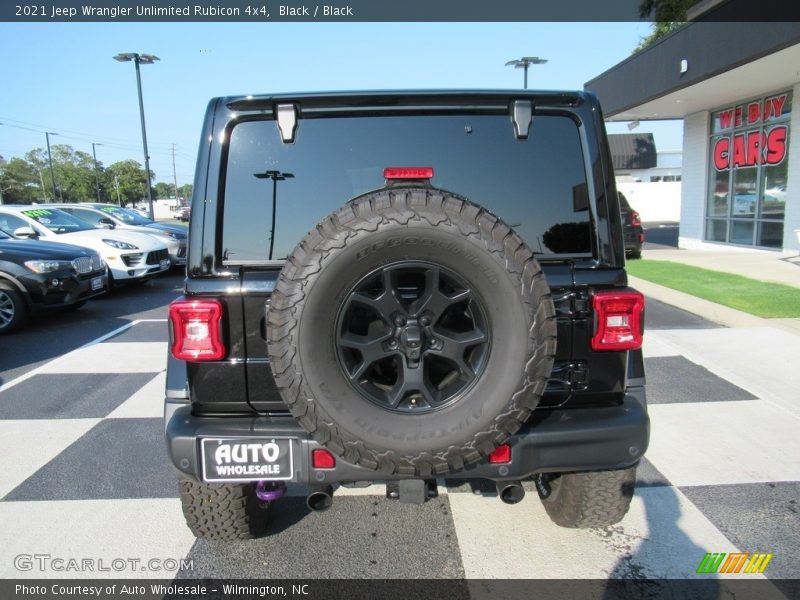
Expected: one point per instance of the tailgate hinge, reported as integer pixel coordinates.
(286, 116)
(570, 376)
(573, 304)
(577, 376)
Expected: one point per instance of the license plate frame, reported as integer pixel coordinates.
(244, 446)
(97, 283)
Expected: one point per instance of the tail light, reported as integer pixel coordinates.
(196, 331)
(618, 320)
(636, 220)
(500, 455)
(641, 237)
(322, 459)
(408, 172)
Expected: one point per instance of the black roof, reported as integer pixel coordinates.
(632, 150)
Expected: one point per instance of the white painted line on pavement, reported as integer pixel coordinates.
(663, 535)
(653, 347)
(761, 360)
(28, 445)
(147, 403)
(141, 529)
(719, 443)
(120, 357)
(40, 368)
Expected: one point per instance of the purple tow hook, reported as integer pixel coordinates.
(269, 491)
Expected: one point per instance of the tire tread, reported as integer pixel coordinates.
(403, 206)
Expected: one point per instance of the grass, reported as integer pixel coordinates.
(769, 300)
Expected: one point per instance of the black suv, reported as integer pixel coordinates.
(37, 275)
(632, 228)
(405, 288)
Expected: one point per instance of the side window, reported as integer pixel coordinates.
(9, 223)
(89, 216)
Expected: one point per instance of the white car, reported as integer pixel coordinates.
(109, 216)
(129, 255)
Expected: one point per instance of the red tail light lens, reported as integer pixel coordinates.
(501, 455)
(322, 459)
(636, 220)
(196, 332)
(618, 320)
(408, 172)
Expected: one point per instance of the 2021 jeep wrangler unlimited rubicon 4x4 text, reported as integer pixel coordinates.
(403, 287)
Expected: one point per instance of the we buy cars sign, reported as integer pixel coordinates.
(763, 146)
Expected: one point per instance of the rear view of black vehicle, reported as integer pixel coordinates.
(632, 228)
(402, 288)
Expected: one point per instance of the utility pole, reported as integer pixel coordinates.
(175, 177)
(47, 135)
(116, 185)
(41, 180)
(96, 170)
(2, 162)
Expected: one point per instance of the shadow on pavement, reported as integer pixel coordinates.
(50, 335)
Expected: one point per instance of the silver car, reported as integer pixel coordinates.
(115, 217)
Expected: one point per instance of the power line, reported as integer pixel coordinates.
(81, 134)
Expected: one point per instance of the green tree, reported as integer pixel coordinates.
(185, 191)
(75, 174)
(129, 174)
(164, 190)
(73, 170)
(19, 182)
(667, 16)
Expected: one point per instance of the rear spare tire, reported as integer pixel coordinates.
(411, 332)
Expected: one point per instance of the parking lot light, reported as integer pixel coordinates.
(145, 59)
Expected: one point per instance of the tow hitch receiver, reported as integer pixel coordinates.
(412, 491)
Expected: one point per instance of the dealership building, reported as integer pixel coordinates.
(736, 86)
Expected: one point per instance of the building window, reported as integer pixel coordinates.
(748, 170)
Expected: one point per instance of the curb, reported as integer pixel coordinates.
(730, 317)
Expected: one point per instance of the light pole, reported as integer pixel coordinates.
(524, 63)
(96, 170)
(145, 59)
(2, 164)
(47, 135)
(276, 176)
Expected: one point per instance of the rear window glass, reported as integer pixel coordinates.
(538, 185)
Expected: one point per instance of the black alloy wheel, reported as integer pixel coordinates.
(412, 337)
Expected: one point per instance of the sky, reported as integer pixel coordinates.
(60, 77)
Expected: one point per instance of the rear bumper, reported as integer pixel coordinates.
(553, 441)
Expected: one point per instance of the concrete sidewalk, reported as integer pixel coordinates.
(760, 265)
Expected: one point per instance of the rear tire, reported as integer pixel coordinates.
(223, 511)
(589, 499)
(13, 310)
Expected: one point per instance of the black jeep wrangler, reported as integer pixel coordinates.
(402, 288)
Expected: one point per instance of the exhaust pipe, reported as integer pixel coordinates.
(510, 492)
(320, 498)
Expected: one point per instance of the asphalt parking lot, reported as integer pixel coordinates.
(86, 475)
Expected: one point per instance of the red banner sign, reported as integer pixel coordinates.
(751, 148)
